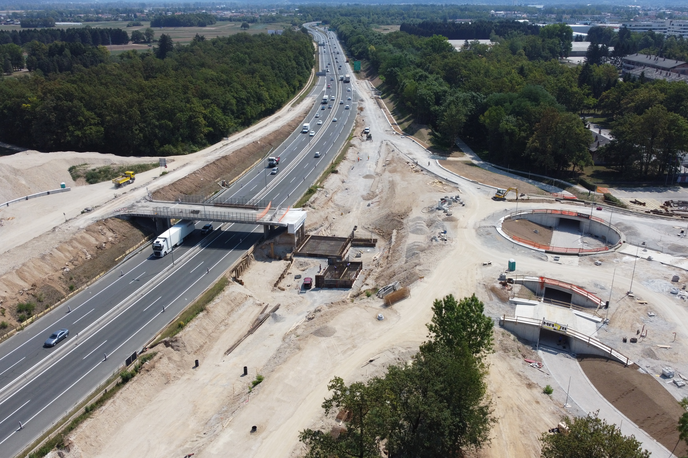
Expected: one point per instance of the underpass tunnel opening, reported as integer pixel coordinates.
(556, 296)
(555, 340)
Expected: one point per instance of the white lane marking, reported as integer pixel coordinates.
(54, 324)
(91, 352)
(292, 180)
(227, 241)
(151, 304)
(137, 278)
(18, 409)
(12, 367)
(83, 316)
(196, 267)
(254, 187)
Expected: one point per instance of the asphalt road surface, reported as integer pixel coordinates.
(126, 308)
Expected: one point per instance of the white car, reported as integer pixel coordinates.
(346, 107)
(334, 120)
(312, 134)
(349, 98)
(348, 89)
(341, 102)
(317, 115)
(317, 154)
(320, 122)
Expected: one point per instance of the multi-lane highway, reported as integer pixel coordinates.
(122, 311)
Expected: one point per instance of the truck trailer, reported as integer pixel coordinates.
(172, 237)
(306, 128)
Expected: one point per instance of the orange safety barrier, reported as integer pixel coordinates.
(285, 213)
(264, 212)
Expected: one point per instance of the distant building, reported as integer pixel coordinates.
(666, 27)
(655, 67)
(275, 32)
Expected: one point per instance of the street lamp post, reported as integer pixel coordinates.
(630, 289)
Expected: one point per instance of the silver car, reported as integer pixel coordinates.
(56, 337)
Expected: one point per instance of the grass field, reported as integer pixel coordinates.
(386, 28)
(178, 34)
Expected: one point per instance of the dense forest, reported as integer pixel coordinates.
(474, 30)
(171, 101)
(85, 35)
(517, 105)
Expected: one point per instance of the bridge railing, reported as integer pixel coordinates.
(201, 213)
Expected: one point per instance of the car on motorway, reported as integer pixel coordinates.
(312, 133)
(320, 122)
(274, 171)
(322, 107)
(329, 106)
(331, 79)
(317, 154)
(346, 107)
(207, 229)
(328, 87)
(334, 120)
(348, 89)
(349, 98)
(56, 337)
(341, 102)
(366, 130)
(317, 115)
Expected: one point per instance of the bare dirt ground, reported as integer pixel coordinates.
(480, 175)
(172, 409)
(636, 394)
(318, 335)
(528, 230)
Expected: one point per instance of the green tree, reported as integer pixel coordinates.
(435, 406)
(359, 439)
(137, 37)
(165, 46)
(149, 33)
(683, 422)
(458, 323)
(7, 65)
(591, 437)
(245, 26)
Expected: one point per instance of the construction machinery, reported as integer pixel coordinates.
(127, 178)
(502, 193)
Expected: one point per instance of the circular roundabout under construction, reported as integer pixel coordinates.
(560, 232)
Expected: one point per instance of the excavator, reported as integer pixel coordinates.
(501, 193)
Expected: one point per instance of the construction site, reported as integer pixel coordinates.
(589, 300)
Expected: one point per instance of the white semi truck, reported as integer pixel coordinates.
(173, 237)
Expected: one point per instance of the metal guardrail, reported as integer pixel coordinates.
(33, 196)
(571, 332)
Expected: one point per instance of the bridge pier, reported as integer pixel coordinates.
(162, 224)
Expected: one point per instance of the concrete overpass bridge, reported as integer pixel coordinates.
(270, 218)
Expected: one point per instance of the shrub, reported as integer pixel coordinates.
(257, 381)
(21, 318)
(71, 287)
(609, 198)
(587, 185)
(548, 390)
(26, 308)
(4, 325)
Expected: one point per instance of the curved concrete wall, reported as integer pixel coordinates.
(552, 218)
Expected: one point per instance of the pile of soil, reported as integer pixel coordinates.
(204, 181)
(638, 396)
(527, 230)
(47, 279)
(472, 172)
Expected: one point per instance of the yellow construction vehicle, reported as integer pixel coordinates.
(127, 178)
(501, 193)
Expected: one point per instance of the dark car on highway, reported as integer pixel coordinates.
(207, 229)
(56, 337)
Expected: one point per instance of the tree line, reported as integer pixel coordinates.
(183, 20)
(85, 35)
(518, 106)
(173, 100)
(28, 23)
(475, 30)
